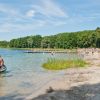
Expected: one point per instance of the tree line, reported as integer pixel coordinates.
(67, 40)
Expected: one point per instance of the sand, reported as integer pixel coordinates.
(75, 84)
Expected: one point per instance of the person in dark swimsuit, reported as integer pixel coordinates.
(1, 62)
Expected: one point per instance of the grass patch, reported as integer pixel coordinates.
(59, 64)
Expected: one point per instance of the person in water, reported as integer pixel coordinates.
(1, 62)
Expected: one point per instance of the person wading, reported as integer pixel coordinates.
(1, 62)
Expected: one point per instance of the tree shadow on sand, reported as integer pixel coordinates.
(82, 92)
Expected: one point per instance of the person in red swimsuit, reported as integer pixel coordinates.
(1, 62)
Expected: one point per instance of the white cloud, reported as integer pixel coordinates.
(49, 8)
(4, 28)
(21, 21)
(30, 13)
(18, 27)
(8, 10)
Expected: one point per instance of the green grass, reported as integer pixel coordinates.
(59, 64)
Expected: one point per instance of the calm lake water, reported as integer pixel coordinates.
(24, 74)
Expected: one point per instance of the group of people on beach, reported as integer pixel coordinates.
(87, 51)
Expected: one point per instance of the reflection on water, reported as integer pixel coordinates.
(24, 72)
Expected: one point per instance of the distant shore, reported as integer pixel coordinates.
(48, 50)
(57, 49)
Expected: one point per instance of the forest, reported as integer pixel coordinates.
(66, 40)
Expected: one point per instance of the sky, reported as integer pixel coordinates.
(20, 18)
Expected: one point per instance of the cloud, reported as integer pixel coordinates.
(18, 20)
(9, 11)
(49, 8)
(5, 27)
(30, 13)
(20, 27)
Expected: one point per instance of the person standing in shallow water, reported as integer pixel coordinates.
(1, 62)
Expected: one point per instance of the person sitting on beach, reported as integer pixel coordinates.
(1, 62)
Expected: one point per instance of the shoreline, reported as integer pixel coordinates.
(70, 78)
(44, 50)
(66, 82)
(73, 77)
(57, 50)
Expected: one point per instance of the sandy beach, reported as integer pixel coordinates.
(75, 84)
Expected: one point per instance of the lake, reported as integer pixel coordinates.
(25, 74)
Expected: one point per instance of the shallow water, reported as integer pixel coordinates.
(24, 74)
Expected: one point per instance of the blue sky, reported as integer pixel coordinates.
(20, 18)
